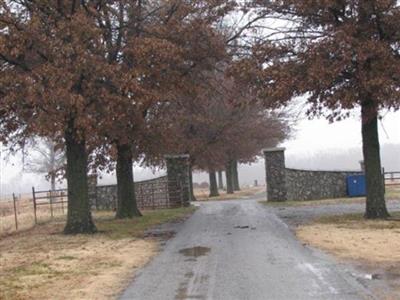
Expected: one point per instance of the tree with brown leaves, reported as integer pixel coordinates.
(164, 54)
(218, 127)
(52, 81)
(340, 55)
(85, 73)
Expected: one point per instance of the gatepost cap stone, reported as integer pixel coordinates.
(276, 149)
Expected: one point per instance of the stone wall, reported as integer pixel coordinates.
(313, 185)
(105, 197)
(168, 191)
(150, 194)
(299, 185)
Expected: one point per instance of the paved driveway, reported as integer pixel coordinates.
(241, 250)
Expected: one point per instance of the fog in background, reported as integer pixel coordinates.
(329, 160)
(315, 145)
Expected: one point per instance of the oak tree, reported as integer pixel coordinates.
(51, 55)
(339, 55)
(163, 45)
(218, 126)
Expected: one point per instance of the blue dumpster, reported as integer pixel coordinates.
(356, 186)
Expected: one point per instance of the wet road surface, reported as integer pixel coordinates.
(241, 250)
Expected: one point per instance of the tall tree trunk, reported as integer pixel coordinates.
(127, 206)
(79, 218)
(375, 205)
(52, 167)
(220, 181)
(235, 176)
(213, 184)
(229, 178)
(53, 186)
(53, 182)
(52, 155)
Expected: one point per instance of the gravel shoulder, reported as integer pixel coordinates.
(299, 215)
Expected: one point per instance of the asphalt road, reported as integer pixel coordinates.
(241, 250)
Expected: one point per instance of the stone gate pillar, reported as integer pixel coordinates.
(178, 173)
(275, 174)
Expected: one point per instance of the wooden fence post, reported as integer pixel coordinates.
(34, 203)
(15, 212)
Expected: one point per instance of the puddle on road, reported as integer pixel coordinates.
(195, 251)
(245, 227)
(241, 227)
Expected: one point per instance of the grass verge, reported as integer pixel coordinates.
(373, 244)
(42, 263)
(291, 203)
(392, 193)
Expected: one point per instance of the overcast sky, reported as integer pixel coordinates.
(319, 145)
(318, 134)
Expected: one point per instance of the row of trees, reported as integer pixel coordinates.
(339, 55)
(221, 126)
(89, 74)
(120, 81)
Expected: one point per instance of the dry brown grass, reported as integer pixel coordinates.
(42, 263)
(393, 191)
(25, 213)
(374, 244)
(203, 194)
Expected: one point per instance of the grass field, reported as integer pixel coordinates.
(42, 263)
(25, 214)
